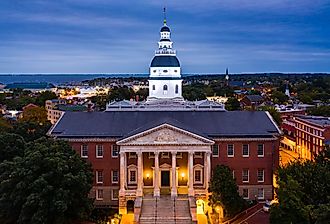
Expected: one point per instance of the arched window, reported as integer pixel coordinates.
(153, 87)
(176, 89)
(165, 87)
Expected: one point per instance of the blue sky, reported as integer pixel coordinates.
(112, 36)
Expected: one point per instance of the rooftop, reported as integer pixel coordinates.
(317, 120)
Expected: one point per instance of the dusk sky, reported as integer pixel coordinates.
(120, 36)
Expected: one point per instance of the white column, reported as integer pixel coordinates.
(191, 173)
(139, 191)
(122, 173)
(174, 189)
(207, 169)
(156, 176)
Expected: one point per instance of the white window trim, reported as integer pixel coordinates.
(198, 167)
(248, 148)
(218, 151)
(263, 194)
(263, 176)
(263, 150)
(112, 181)
(112, 150)
(246, 181)
(233, 151)
(96, 149)
(112, 198)
(247, 193)
(129, 169)
(97, 177)
(81, 151)
(97, 195)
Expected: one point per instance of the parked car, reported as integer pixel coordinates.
(267, 205)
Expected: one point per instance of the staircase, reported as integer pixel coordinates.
(165, 210)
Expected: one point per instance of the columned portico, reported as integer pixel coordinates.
(163, 158)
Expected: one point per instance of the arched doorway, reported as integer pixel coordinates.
(200, 206)
(130, 206)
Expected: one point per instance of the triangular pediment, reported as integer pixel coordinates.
(165, 134)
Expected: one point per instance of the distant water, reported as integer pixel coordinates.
(60, 78)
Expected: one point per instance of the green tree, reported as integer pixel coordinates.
(303, 192)
(194, 92)
(31, 130)
(42, 97)
(11, 145)
(320, 111)
(49, 184)
(225, 191)
(232, 104)
(279, 97)
(4, 125)
(35, 114)
(274, 113)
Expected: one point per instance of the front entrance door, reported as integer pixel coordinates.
(165, 178)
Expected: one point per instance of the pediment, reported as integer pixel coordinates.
(165, 134)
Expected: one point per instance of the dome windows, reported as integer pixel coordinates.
(165, 71)
(176, 89)
(153, 87)
(165, 89)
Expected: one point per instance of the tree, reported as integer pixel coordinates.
(279, 97)
(35, 114)
(303, 192)
(225, 191)
(232, 104)
(274, 113)
(11, 145)
(194, 92)
(49, 184)
(320, 111)
(4, 125)
(42, 97)
(30, 130)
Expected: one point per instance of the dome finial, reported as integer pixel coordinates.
(164, 15)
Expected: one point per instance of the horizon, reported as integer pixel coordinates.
(107, 37)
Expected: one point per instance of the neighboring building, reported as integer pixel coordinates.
(53, 114)
(312, 134)
(168, 145)
(251, 101)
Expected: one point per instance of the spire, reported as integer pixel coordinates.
(164, 16)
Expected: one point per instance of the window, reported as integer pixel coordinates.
(115, 151)
(99, 177)
(132, 176)
(233, 172)
(179, 155)
(198, 176)
(165, 71)
(176, 89)
(245, 193)
(151, 155)
(245, 150)
(198, 155)
(165, 155)
(115, 176)
(261, 174)
(245, 175)
(153, 87)
(230, 150)
(131, 155)
(215, 150)
(84, 151)
(114, 194)
(260, 150)
(99, 194)
(99, 151)
(260, 193)
(165, 87)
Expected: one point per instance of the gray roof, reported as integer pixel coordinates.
(120, 124)
(165, 61)
(254, 98)
(316, 120)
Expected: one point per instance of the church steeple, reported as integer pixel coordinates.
(165, 74)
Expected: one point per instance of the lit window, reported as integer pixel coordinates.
(260, 150)
(99, 151)
(215, 150)
(230, 150)
(84, 151)
(99, 194)
(261, 175)
(115, 151)
(245, 150)
(260, 193)
(115, 176)
(245, 175)
(99, 177)
(245, 193)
